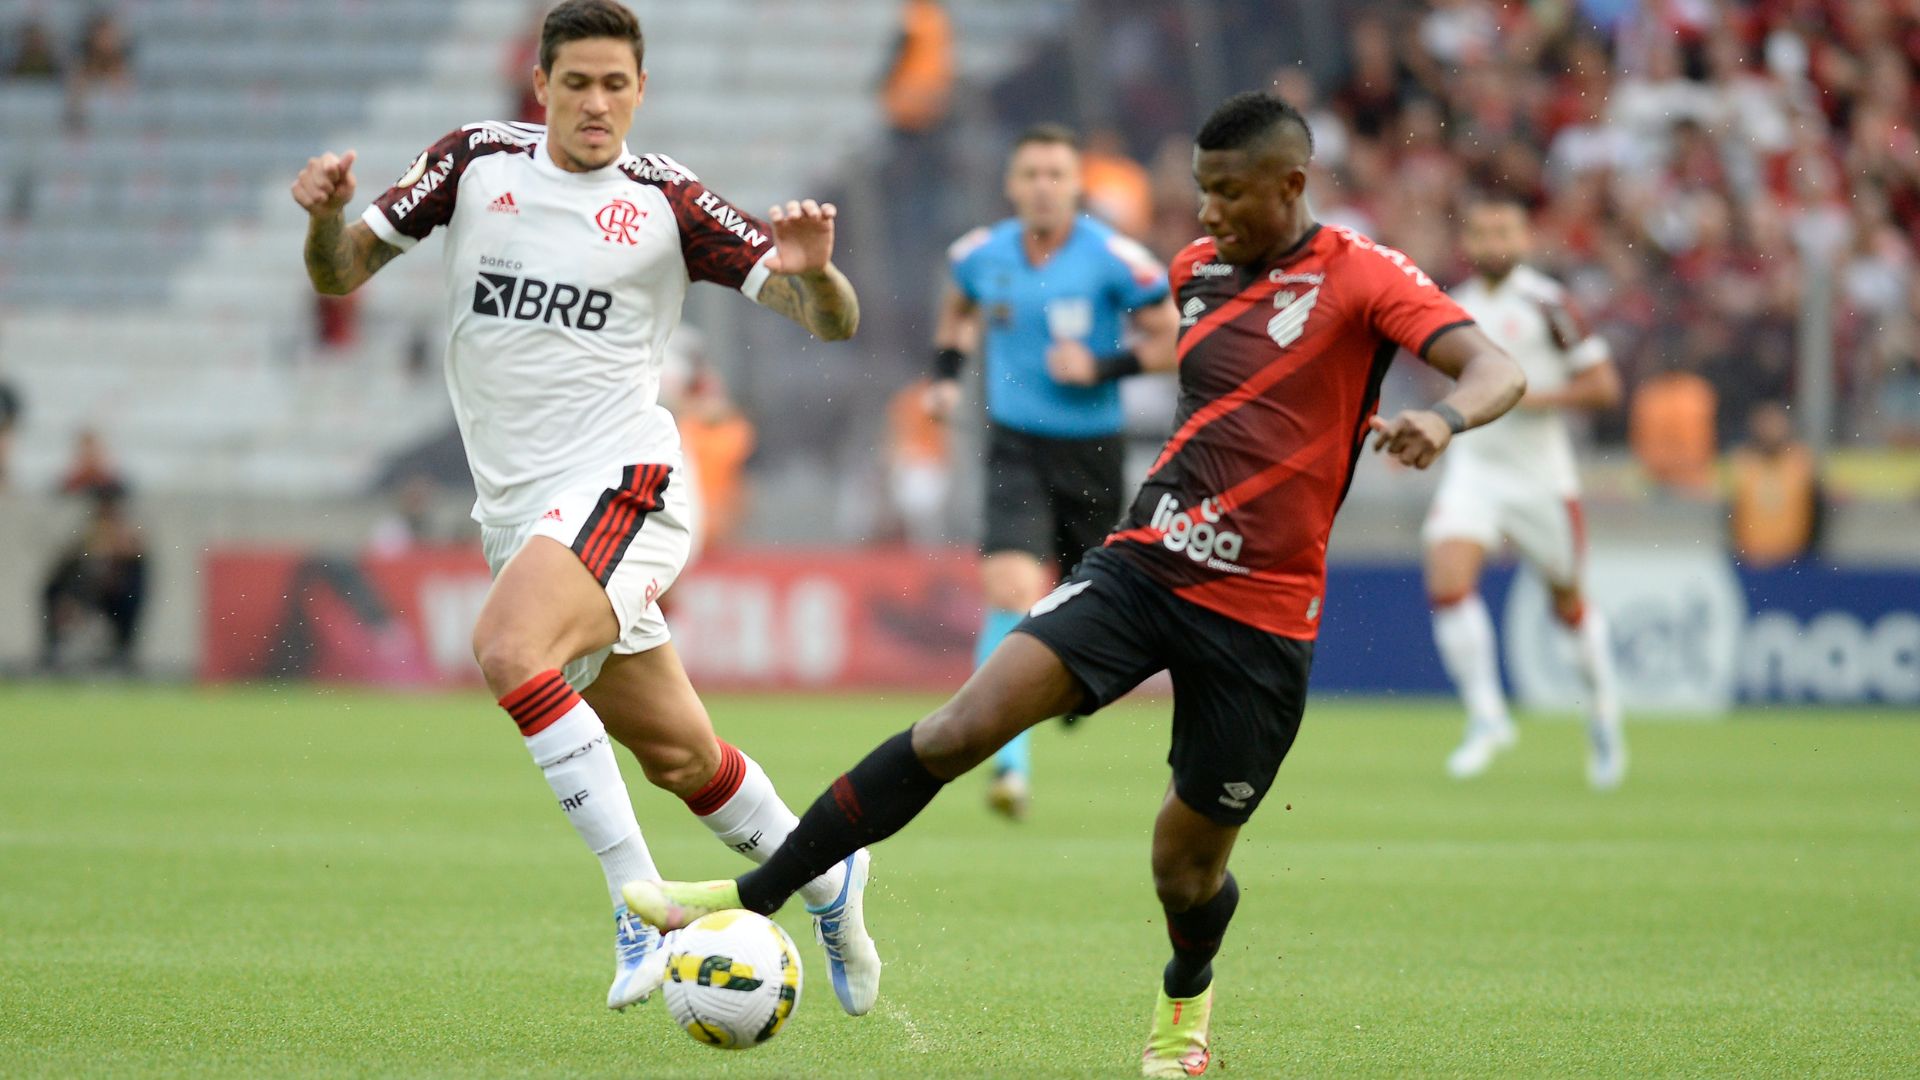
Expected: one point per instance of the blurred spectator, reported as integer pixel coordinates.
(1671, 428)
(919, 466)
(718, 439)
(409, 522)
(103, 575)
(1773, 492)
(1117, 189)
(92, 469)
(523, 55)
(9, 418)
(1900, 401)
(105, 57)
(35, 58)
(918, 87)
(103, 64)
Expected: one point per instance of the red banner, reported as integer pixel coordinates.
(769, 618)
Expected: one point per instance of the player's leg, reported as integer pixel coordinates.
(1087, 643)
(1014, 581)
(1018, 529)
(651, 708)
(1462, 527)
(1552, 536)
(545, 610)
(1199, 896)
(1239, 696)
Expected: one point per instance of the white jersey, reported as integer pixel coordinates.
(562, 289)
(1527, 315)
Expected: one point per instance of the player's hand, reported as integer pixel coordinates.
(1414, 437)
(326, 184)
(1072, 364)
(943, 399)
(802, 236)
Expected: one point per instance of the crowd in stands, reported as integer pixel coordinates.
(1695, 168)
(99, 57)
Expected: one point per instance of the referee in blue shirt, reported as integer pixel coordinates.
(1061, 307)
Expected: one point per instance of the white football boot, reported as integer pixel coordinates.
(634, 943)
(840, 926)
(1476, 752)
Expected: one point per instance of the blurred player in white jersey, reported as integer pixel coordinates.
(567, 260)
(1514, 481)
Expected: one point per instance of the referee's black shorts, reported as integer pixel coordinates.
(1051, 498)
(1238, 691)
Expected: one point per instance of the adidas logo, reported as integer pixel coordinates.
(504, 205)
(1191, 311)
(551, 515)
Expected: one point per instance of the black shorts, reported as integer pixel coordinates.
(1051, 498)
(1238, 692)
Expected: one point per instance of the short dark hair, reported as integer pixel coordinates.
(1246, 117)
(1049, 134)
(576, 20)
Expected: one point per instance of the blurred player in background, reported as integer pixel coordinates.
(1217, 572)
(1062, 307)
(1514, 481)
(567, 261)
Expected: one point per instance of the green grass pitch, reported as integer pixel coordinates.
(303, 881)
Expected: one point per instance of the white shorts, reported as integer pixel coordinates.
(1544, 526)
(631, 529)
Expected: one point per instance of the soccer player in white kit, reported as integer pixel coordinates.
(1514, 481)
(567, 261)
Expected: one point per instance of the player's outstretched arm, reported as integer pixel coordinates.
(805, 286)
(1593, 389)
(340, 257)
(1486, 384)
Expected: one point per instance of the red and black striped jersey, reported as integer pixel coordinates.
(1280, 368)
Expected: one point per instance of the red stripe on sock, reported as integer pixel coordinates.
(724, 785)
(539, 701)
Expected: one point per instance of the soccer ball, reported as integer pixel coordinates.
(733, 978)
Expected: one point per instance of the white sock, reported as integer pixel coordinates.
(1593, 656)
(746, 814)
(1464, 633)
(571, 747)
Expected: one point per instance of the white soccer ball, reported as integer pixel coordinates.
(733, 979)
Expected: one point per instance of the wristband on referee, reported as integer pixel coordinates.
(948, 363)
(1117, 366)
(1451, 415)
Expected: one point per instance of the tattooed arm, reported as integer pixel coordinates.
(340, 257)
(822, 301)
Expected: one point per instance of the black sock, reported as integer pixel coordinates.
(1196, 935)
(869, 803)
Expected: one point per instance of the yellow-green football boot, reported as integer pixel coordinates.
(1178, 1045)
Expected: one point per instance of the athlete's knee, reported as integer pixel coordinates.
(1184, 884)
(957, 736)
(1569, 606)
(678, 768)
(507, 660)
(1012, 582)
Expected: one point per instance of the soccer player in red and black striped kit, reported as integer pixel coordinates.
(1216, 575)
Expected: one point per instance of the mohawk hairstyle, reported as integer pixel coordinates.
(1248, 116)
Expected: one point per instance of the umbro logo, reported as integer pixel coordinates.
(504, 205)
(1191, 311)
(1237, 795)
